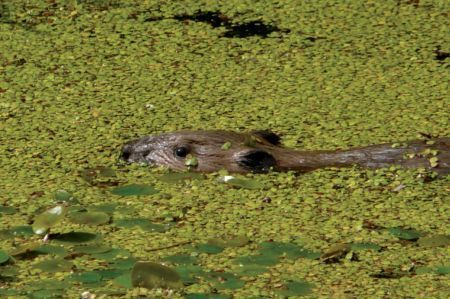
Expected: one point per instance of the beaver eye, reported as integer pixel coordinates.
(181, 151)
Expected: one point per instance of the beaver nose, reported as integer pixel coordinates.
(127, 150)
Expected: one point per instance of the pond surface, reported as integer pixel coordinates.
(80, 78)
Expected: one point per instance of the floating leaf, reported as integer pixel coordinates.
(44, 221)
(261, 260)
(107, 208)
(443, 270)
(404, 234)
(224, 280)
(43, 294)
(75, 237)
(89, 218)
(7, 210)
(25, 248)
(237, 241)
(108, 274)
(123, 264)
(23, 230)
(297, 288)
(189, 273)
(51, 249)
(175, 177)
(124, 280)
(63, 196)
(4, 256)
(182, 259)
(291, 250)
(91, 249)
(434, 241)
(143, 223)
(112, 254)
(152, 275)
(250, 270)
(54, 265)
(86, 277)
(208, 248)
(365, 246)
(134, 189)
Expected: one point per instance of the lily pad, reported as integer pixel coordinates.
(224, 280)
(443, 270)
(23, 230)
(297, 288)
(75, 237)
(260, 260)
(4, 256)
(112, 254)
(208, 248)
(206, 296)
(44, 221)
(434, 241)
(89, 218)
(250, 270)
(404, 234)
(153, 275)
(123, 264)
(7, 210)
(54, 265)
(63, 196)
(85, 277)
(51, 249)
(292, 251)
(134, 189)
(107, 208)
(237, 241)
(25, 248)
(91, 249)
(124, 280)
(189, 274)
(143, 223)
(182, 259)
(176, 177)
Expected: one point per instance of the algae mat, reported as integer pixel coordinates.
(79, 78)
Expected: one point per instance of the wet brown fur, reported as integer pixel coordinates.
(260, 152)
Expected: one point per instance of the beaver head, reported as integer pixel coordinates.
(211, 151)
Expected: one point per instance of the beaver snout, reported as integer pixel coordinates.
(135, 152)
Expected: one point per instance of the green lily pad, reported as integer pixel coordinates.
(237, 241)
(404, 234)
(208, 248)
(123, 264)
(175, 177)
(297, 288)
(7, 210)
(25, 248)
(153, 275)
(85, 277)
(112, 254)
(75, 237)
(224, 280)
(54, 265)
(443, 270)
(91, 249)
(434, 241)
(89, 218)
(134, 189)
(108, 274)
(63, 196)
(23, 230)
(292, 251)
(4, 256)
(44, 221)
(124, 280)
(182, 259)
(365, 246)
(51, 249)
(189, 274)
(107, 208)
(143, 223)
(261, 260)
(250, 270)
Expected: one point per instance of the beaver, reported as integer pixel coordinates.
(261, 151)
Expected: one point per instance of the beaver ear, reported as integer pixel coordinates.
(268, 136)
(257, 161)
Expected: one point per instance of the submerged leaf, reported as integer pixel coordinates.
(153, 275)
